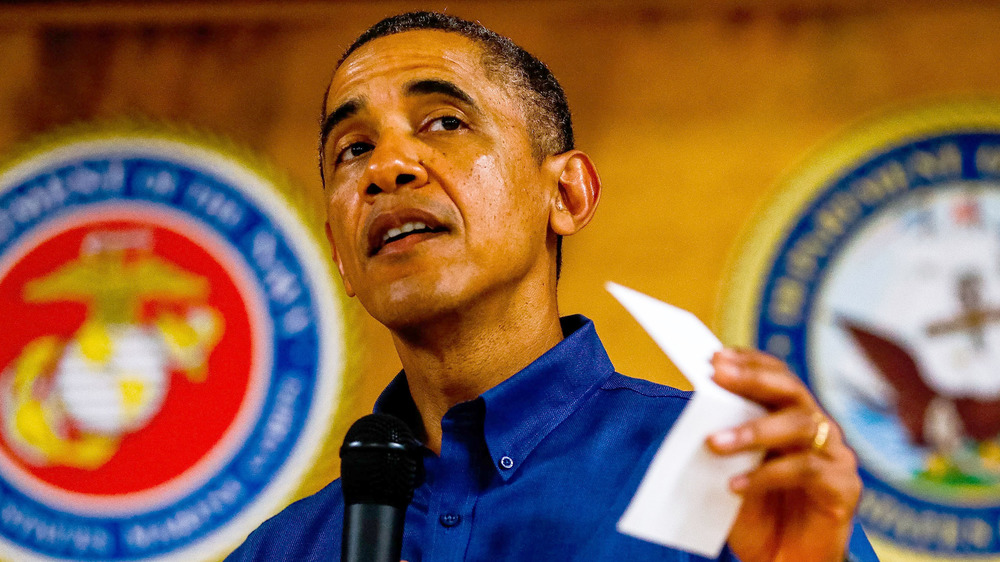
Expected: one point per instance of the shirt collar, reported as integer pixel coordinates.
(396, 400)
(526, 407)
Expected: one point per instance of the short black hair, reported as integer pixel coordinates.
(546, 110)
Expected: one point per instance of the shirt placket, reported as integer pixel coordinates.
(454, 490)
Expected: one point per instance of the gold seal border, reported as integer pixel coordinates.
(756, 249)
(321, 466)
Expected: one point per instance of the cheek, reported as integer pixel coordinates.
(498, 188)
(488, 179)
(484, 202)
(343, 219)
(508, 198)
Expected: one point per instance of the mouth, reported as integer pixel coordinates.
(401, 230)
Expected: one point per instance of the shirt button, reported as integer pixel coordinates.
(450, 519)
(506, 462)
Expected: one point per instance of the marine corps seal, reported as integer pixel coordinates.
(170, 346)
(876, 275)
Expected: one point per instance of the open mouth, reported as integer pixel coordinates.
(394, 231)
(394, 234)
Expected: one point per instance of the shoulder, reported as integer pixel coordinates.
(642, 402)
(630, 409)
(647, 389)
(307, 528)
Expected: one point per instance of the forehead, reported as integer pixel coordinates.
(393, 60)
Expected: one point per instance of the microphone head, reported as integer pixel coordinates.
(381, 462)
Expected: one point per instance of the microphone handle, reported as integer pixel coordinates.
(372, 533)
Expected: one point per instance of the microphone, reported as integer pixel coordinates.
(380, 467)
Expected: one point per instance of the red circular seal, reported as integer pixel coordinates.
(134, 356)
(171, 347)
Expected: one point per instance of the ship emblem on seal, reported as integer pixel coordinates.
(882, 291)
(171, 346)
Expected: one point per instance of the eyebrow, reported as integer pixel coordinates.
(422, 87)
(345, 110)
(432, 86)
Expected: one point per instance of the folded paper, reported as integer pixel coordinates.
(684, 500)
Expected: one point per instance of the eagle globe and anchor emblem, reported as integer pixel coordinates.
(171, 346)
(69, 401)
(882, 291)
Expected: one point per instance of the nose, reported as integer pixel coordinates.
(394, 163)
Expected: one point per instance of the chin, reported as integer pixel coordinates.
(404, 305)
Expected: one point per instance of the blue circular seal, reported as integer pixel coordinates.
(882, 291)
(173, 354)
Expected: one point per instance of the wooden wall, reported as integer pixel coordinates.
(693, 111)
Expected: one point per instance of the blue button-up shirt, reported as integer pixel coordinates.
(540, 467)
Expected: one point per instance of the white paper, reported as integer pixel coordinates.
(684, 500)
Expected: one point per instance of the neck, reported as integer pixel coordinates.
(464, 353)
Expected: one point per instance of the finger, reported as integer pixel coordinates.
(757, 358)
(761, 378)
(835, 482)
(784, 430)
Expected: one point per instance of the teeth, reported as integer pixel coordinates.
(408, 227)
(392, 233)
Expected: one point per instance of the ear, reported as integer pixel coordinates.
(579, 190)
(337, 260)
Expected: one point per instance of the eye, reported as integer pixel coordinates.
(446, 123)
(353, 151)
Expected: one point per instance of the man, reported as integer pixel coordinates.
(450, 179)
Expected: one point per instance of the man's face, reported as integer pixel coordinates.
(434, 199)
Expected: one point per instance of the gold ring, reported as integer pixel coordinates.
(822, 432)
